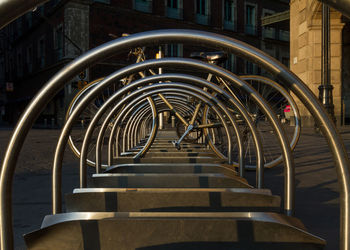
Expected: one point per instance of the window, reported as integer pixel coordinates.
(269, 48)
(230, 63)
(103, 1)
(42, 10)
(250, 19)
(55, 2)
(143, 5)
(268, 32)
(19, 26)
(29, 59)
(2, 69)
(284, 35)
(58, 42)
(251, 68)
(285, 61)
(19, 65)
(229, 14)
(12, 66)
(173, 50)
(41, 52)
(202, 11)
(28, 18)
(174, 9)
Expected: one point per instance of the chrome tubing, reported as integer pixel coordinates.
(10, 10)
(100, 140)
(195, 80)
(135, 128)
(103, 128)
(126, 142)
(290, 81)
(134, 94)
(135, 121)
(293, 104)
(116, 138)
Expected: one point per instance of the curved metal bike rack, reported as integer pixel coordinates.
(289, 80)
(133, 124)
(112, 135)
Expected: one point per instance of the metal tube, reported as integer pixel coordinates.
(136, 120)
(290, 81)
(291, 101)
(326, 88)
(111, 114)
(138, 125)
(240, 109)
(116, 139)
(103, 128)
(173, 109)
(121, 103)
(10, 10)
(134, 117)
(126, 134)
(99, 141)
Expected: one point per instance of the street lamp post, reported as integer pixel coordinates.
(325, 89)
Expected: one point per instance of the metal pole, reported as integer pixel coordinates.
(341, 5)
(325, 89)
(160, 71)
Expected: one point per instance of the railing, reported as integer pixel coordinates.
(269, 33)
(284, 35)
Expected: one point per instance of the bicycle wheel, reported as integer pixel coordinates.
(77, 134)
(284, 108)
(193, 136)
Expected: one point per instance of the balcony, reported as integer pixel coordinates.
(284, 35)
(269, 33)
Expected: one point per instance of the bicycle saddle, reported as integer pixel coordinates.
(211, 57)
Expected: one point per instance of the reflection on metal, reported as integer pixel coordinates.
(10, 10)
(291, 82)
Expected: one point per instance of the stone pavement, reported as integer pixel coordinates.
(317, 202)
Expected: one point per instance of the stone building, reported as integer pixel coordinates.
(41, 42)
(305, 54)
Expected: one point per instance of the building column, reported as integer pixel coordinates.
(306, 51)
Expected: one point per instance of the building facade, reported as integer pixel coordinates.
(41, 42)
(306, 51)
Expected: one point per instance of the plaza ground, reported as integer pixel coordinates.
(317, 198)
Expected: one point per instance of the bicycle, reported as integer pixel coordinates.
(189, 128)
